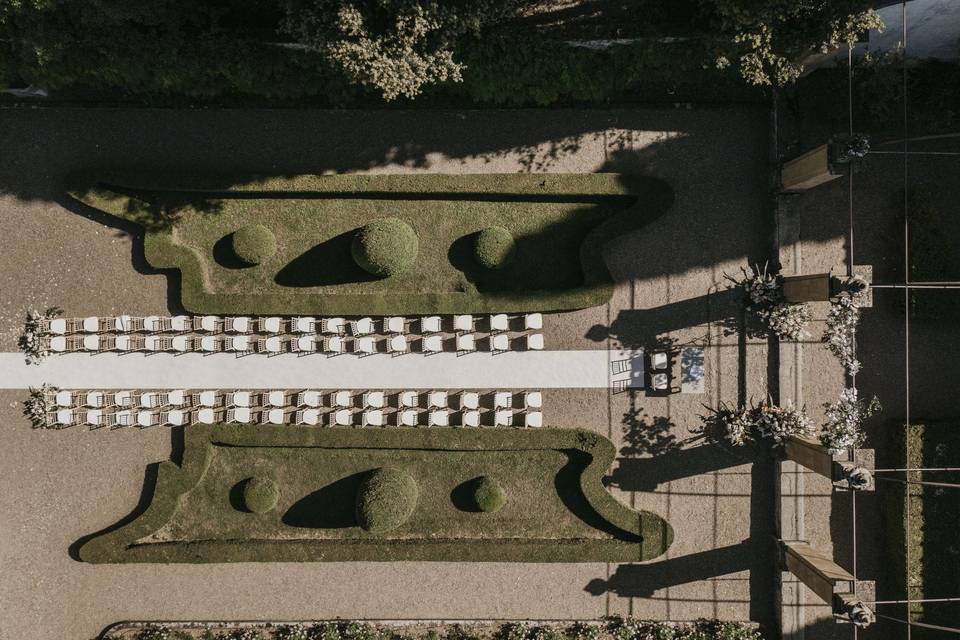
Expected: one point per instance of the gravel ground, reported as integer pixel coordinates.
(64, 485)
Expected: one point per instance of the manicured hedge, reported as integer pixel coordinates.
(488, 495)
(627, 202)
(386, 499)
(385, 247)
(260, 494)
(494, 247)
(254, 243)
(612, 532)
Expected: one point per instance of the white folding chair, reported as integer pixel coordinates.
(332, 326)
(122, 399)
(238, 344)
(365, 346)
(409, 399)
(533, 419)
(373, 399)
(123, 343)
(58, 344)
(502, 400)
(90, 324)
(64, 398)
(176, 397)
(180, 323)
(658, 361)
(181, 344)
(206, 323)
(209, 344)
(432, 344)
(158, 343)
(533, 399)
(148, 400)
(342, 399)
(124, 418)
(395, 324)
(333, 345)
(437, 399)
(469, 400)
(308, 398)
(535, 342)
(304, 344)
(91, 343)
(361, 327)
(236, 324)
(463, 323)
(270, 325)
(471, 418)
(397, 344)
(466, 342)
(304, 324)
(58, 326)
(373, 418)
(276, 399)
(499, 343)
(206, 416)
(503, 418)
(407, 417)
(439, 418)
(94, 399)
(146, 419)
(64, 418)
(205, 399)
(533, 321)
(152, 323)
(269, 345)
(660, 381)
(499, 322)
(94, 418)
(307, 416)
(240, 415)
(238, 399)
(172, 418)
(343, 418)
(430, 324)
(273, 416)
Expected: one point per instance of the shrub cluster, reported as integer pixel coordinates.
(386, 499)
(488, 495)
(385, 247)
(494, 247)
(260, 494)
(254, 243)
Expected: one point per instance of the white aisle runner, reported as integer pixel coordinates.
(528, 369)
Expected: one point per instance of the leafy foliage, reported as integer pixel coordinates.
(489, 495)
(494, 247)
(764, 297)
(840, 332)
(385, 247)
(260, 494)
(254, 243)
(386, 499)
(739, 425)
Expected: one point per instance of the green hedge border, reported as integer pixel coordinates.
(646, 535)
(115, 194)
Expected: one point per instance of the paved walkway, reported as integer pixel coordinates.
(540, 370)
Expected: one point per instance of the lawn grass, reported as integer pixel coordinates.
(560, 222)
(557, 511)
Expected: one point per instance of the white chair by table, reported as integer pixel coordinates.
(502, 400)
(58, 344)
(309, 398)
(439, 418)
(238, 399)
(240, 415)
(373, 418)
(176, 397)
(362, 327)
(91, 343)
(395, 324)
(94, 418)
(533, 321)
(533, 419)
(365, 346)
(660, 381)
(91, 324)
(499, 322)
(206, 416)
(532, 400)
(333, 326)
(463, 323)
(374, 399)
(236, 324)
(238, 344)
(309, 417)
(94, 399)
(430, 324)
(407, 417)
(275, 398)
(273, 344)
(172, 418)
(343, 418)
(437, 400)
(397, 344)
(466, 342)
(535, 342)
(180, 344)
(499, 343)
(503, 418)
(180, 323)
(209, 344)
(342, 399)
(334, 345)
(658, 361)
(206, 323)
(408, 399)
(146, 419)
(64, 418)
(304, 324)
(64, 398)
(58, 326)
(469, 400)
(272, 324)
(432, 344)
(273, 416)
(471, 418)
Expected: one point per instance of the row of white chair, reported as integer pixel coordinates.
(275, 325)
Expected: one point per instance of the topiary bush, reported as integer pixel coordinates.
(494, 247)
(260, 494)
(254, 243)
(385, 247)
(488, 495)
(386, 499)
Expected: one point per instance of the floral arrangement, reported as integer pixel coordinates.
(38, 406)
(764, 297)
(33, 341)
(840, 333)
(843, 428)
(764, 421)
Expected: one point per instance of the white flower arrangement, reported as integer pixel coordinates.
(765, 421)
(788, 321)
(840, 333)
(36, 330)
(764, 294)
(844, 426)
(37, 407)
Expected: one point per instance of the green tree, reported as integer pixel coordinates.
(769, 38)
(397, 46)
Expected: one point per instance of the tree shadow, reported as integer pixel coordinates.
(325, 264)
(643, 434)
(330, 507)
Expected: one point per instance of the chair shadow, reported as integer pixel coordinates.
(328, 263)
(330, 507)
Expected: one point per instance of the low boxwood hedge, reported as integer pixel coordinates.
(494, 247)
(385, 247)
(254, 243)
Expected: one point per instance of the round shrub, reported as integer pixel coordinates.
(488, 495)
(254, 243)
(494, 247)
(386, 499)
(260, 494)
(385, 247)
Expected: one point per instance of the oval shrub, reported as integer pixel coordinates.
(385, 247)
(254, 243)
(494, 247)
(386, 499)
(260, 494)
(488, 495)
